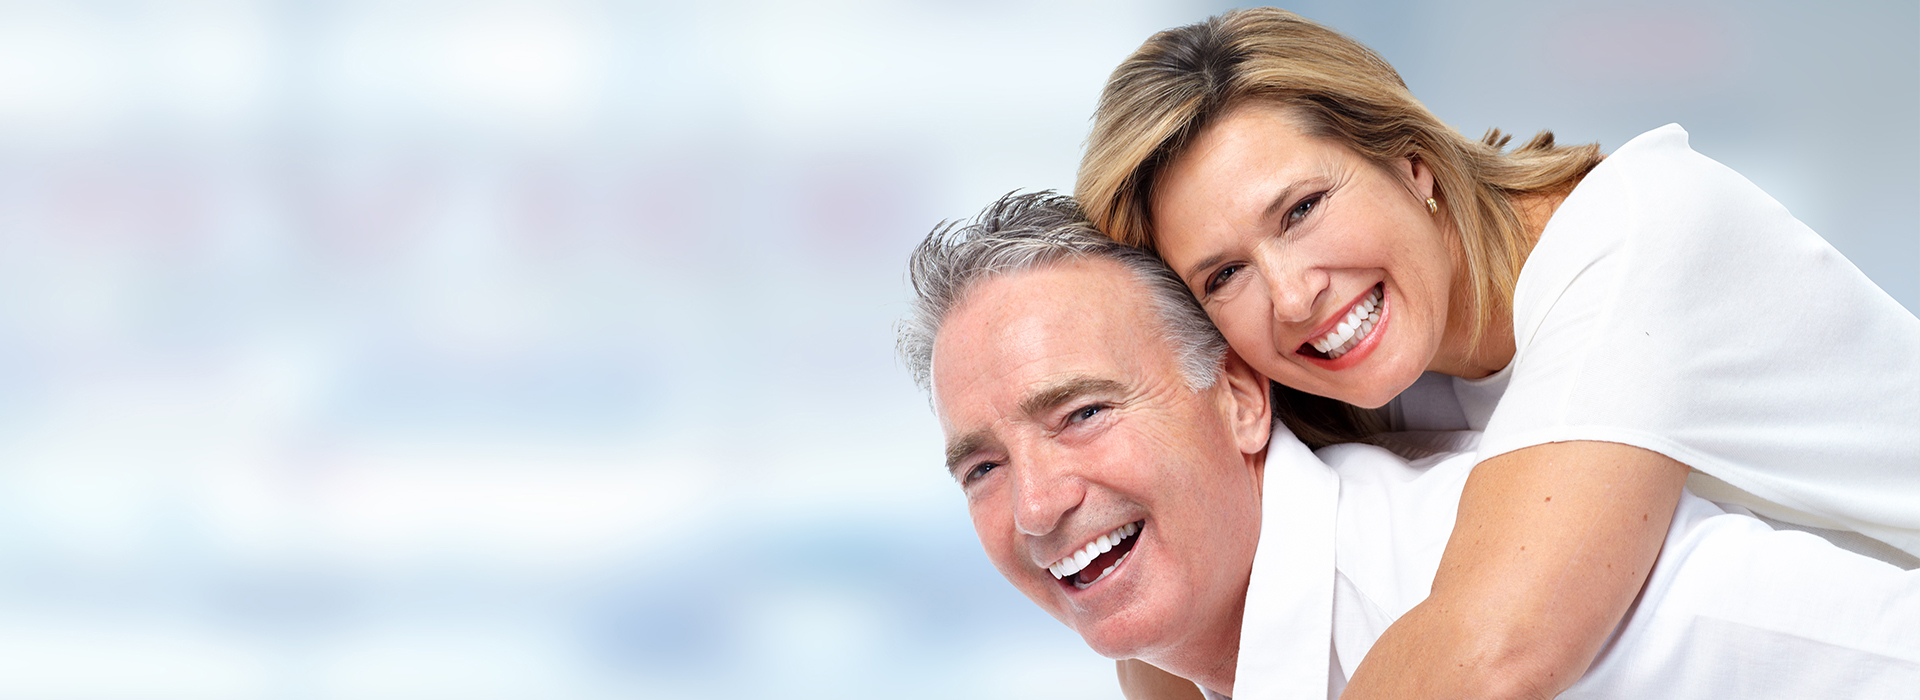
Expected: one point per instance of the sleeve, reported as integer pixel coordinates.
(1673, 306)
(1736, 610)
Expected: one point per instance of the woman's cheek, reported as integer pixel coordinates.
(1248, 327)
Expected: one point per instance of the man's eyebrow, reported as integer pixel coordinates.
(1045, 399)
(959, 449)
(1054, 395)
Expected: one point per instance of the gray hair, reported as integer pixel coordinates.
(1030, 231)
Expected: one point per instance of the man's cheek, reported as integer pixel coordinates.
(994, 527)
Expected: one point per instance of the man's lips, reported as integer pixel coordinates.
(1098, 558)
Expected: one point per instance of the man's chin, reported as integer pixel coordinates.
(1122, 638)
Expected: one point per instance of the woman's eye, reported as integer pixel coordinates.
(1301, 210)
(1220, 278)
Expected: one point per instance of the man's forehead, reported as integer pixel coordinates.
(995, 391)
(1026, 329)
(1025, 341)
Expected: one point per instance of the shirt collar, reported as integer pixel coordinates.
(1286, 630)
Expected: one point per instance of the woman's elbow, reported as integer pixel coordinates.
(1522, 665)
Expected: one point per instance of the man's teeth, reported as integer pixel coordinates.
(1103, 574)
(1072, 564)
(1352, 329)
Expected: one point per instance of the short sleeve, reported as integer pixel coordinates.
(1672, 305)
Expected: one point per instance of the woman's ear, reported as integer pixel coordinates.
(1250, 404)
(1417, 175)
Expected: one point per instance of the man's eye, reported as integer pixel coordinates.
(1086, 413)
(978, 471)
(1220, 278)
(1301, 210)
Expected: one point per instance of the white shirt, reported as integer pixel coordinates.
(1732, 608)
(1672, 305)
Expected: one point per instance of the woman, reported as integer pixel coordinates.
(1613, 325)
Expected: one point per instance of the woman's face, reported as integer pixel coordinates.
(1325, 271)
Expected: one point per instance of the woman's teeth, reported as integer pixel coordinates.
(1073, 563)
(1352, 329)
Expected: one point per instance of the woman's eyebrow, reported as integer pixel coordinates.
(1276, 205)
(1205, 264)
(1281, 199)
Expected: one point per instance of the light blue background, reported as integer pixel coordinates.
(440, 349)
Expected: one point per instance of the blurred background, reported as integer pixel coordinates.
(433, 349)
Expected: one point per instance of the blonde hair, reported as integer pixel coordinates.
(1182, 80)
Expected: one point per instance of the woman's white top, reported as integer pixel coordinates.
(1351, 538)
(1672, 305)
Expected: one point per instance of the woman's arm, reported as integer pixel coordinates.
(1551, 546)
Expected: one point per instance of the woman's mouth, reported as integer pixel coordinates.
(1099, 558)
(1351, 330)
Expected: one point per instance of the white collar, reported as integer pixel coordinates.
(1287, 627)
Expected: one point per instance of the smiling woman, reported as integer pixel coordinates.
(1351, 246)
(1283, 237)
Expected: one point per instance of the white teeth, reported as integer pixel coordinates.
(1352, 329)
(1103, 574)
(1074, 563)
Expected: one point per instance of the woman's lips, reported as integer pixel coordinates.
(1349, 329)
(1359, 341)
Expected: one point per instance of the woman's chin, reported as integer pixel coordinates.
(1371, 386)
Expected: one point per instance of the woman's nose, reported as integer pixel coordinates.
(1291, 288)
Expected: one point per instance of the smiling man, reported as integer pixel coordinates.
(1118, 468)
(1113, 476)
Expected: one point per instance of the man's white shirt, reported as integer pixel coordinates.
(1351, 538)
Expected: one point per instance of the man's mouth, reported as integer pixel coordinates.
(1099, 558)
(1352, 329)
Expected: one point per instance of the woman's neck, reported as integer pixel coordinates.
(1494, 347)
(1536, 209)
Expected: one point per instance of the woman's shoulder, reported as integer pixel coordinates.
(1659, 173)
(1651, 208)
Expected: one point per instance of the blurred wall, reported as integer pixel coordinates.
(440, 349)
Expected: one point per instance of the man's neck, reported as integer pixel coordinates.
(1209, 661)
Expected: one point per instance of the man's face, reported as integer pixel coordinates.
(1069, 424)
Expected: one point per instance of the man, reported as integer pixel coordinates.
(1117, 466)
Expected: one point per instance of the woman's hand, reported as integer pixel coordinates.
(1552, 545)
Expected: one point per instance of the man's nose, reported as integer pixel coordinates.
(1045, 491)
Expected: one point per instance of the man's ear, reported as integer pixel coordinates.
(1250, 409)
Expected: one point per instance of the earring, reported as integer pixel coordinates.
(1433, 207)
